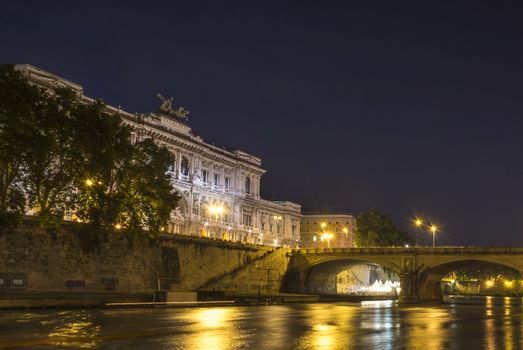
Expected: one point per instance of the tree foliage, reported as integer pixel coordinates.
(61, 155)
(19, 106)
(480, 270)
(374, 229)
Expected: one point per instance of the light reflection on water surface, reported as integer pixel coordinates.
(369, 325)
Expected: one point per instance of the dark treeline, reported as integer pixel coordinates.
(374, 229)
(64, 157)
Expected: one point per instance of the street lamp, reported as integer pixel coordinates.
(418, 223)
(216, 210)
(327, 237)
(433, 229)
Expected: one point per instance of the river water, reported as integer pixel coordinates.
(494, 324)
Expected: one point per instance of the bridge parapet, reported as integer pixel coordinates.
(413, 250)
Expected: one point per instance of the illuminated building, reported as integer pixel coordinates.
(327, 230)
(219, 188)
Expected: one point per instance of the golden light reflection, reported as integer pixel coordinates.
(213, 318)
(324, 338)
(325, 331)
(508, 328)
(80, 334)
(428, 321)
(215, 329)
(488, 306)
(490, 338)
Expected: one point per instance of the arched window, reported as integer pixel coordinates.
(184, 166)
(247, 185)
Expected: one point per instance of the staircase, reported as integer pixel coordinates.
(234, 272)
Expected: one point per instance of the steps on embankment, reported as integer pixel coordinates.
(261, 275)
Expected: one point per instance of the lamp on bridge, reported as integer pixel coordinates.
(418, 222)
(433, 229)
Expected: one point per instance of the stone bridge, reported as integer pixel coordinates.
(420, 269)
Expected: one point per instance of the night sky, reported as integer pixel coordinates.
(405, 107)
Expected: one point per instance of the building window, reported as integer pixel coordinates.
(227, 182)
(184, 169)
(172, 167)
(293, 228)
(247, 185)
(247, 219)
(216, 179)
(205, 176)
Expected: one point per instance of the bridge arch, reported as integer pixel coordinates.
(430, 277)
(320, 277)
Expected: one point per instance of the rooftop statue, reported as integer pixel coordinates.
(167, 108)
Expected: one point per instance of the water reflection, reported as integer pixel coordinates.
(211, 328)
(496, 324)
(325, 330)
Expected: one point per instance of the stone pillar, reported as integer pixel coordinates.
(409, 282)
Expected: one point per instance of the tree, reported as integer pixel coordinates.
(149, 197)
(374, 229)
(123, 185)
(54, 157)
(61, 154)
(19, 106)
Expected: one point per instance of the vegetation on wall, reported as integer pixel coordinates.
(61, 156)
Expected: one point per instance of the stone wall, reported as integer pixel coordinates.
(55, 261)
(264, 275)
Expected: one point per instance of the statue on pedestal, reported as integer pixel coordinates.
(167, 108)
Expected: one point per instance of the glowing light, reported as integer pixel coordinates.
(378, 287)
(489, 283)
(327, 236)
(314, 238)
(433, 229)
(418, 222)
(406, 245)
(508, 284)
(345, 230)
(118, 226)
(89, 182)
(216, 209)
(323, 225)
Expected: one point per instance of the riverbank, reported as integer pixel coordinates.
(75, 299)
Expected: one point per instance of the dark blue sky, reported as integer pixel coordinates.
(405, 107)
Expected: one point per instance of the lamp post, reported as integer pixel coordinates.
(433, 229)
(216, 210)
(418, 223)
(327, 237)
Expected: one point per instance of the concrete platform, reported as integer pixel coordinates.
(41, 299)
